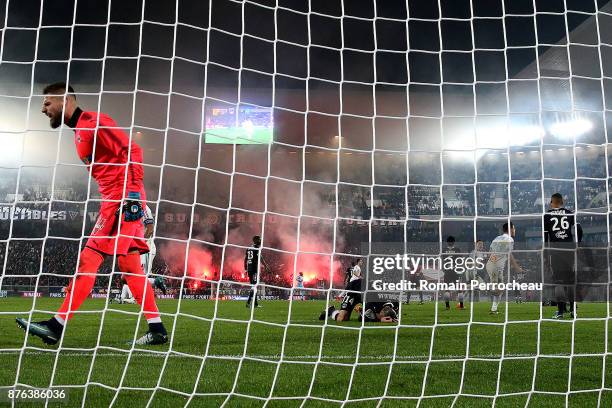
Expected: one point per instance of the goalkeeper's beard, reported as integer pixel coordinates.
(55, 121)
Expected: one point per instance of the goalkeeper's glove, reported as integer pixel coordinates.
(132, 209)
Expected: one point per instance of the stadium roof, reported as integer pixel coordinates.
(554, 61)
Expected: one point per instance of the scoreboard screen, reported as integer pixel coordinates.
(239, 125)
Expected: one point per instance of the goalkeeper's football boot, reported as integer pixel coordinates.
(151, 339)
(43, 330)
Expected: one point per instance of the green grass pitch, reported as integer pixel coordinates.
(277, 370)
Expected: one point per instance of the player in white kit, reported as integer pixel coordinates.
(501, 249)
(299, 283)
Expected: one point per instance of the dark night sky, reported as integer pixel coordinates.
(307, 42)
(414, 49)
(294, 27)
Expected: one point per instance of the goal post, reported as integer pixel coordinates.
(347, 137)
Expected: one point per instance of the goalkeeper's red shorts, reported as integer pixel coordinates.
(104, 234)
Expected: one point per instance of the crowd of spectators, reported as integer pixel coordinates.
(458, 201)
(51, 246)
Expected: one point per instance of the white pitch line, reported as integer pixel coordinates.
(289, 357)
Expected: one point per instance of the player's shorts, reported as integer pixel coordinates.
(352, 299)
(104, 235)
(495, 272)
(349, 301)
(562, 266)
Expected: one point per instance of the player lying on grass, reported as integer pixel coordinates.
(384, 312)
(352, 298)
(126, 294)
(116, 164)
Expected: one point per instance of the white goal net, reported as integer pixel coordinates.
(340, 133)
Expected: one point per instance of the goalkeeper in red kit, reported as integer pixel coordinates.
(119, 229)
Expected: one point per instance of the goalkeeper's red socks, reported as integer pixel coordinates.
(141, 289)
(80, 287)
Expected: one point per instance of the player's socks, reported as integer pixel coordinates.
(447, 304)
(331, 310)
(80, 287)
(334, 314)
(561, 307)
(460, 298)
(251, 292)
(157, 327)
(60, 320)
(138, 284)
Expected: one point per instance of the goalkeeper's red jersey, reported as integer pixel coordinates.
(98, 132)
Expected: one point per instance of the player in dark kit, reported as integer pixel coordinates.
(559, 223)
(352, 298)
(415, 279)
(348, 273)
(252, 258)
(115, 163)
(383, 312)
(450, 275)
